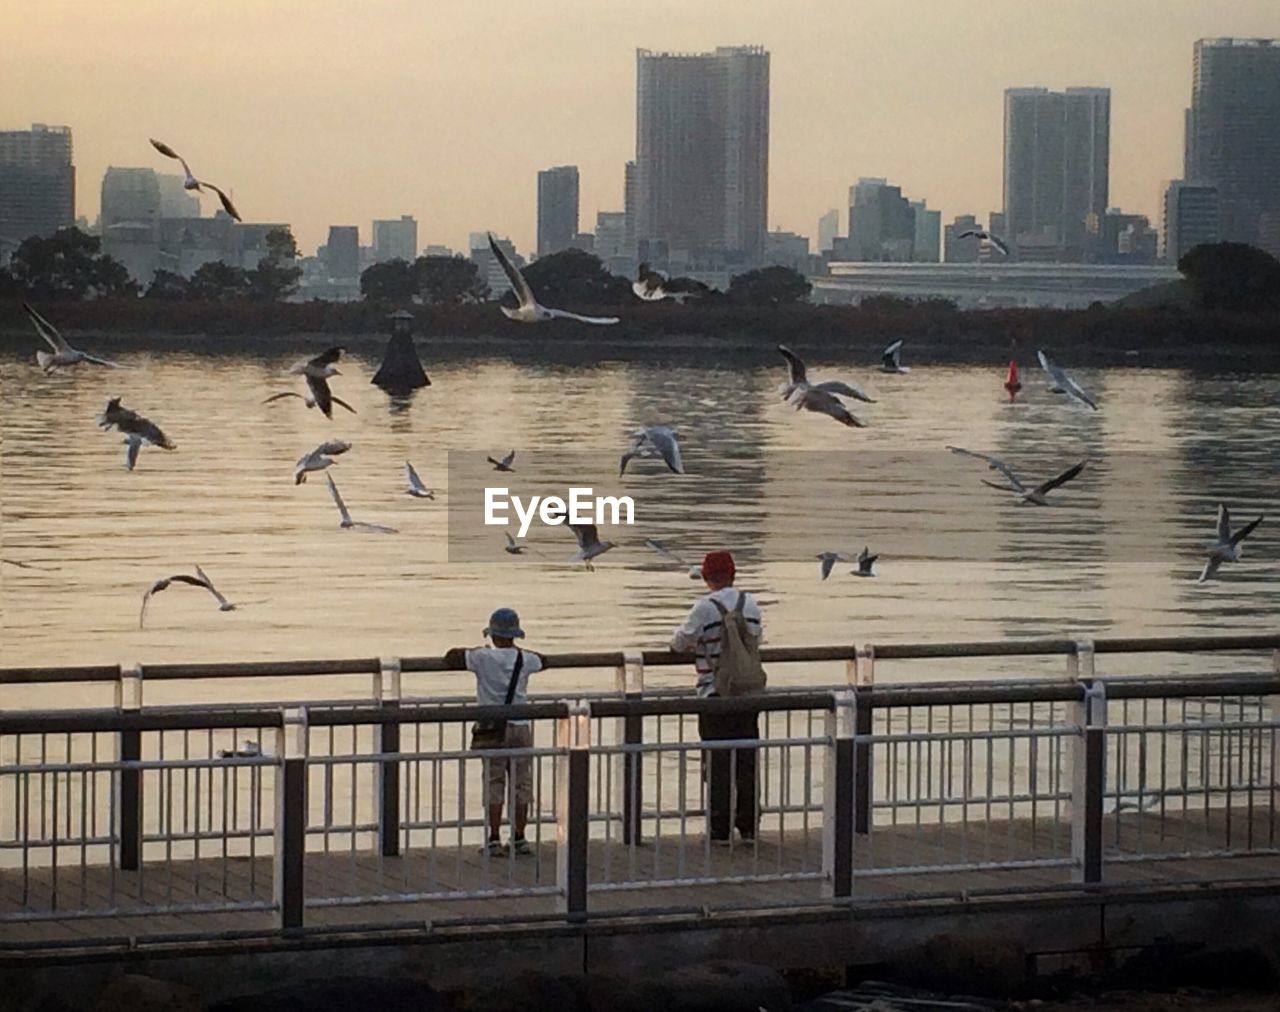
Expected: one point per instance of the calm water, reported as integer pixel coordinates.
(958, 561)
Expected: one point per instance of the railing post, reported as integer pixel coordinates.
(129, 806)
(1080, 666)
(862, 761)
(630, 680)
(387, 695)
(837, 801)
(573, 782)
(861, 670)
(1088, 779)
(291, 817)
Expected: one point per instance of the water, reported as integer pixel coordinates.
(958, 561)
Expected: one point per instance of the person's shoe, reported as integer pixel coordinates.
(493, 848)
(521, 846)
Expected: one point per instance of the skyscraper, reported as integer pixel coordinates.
(927, 247)
(395, 239)
(1190, 217)
(881, 221)
(1233, 134)
(828, 229)
(557, 208)
(702, 152)
(1056, 167)
(342, 252)
(129, 195)
(37, 181)
(630, 183)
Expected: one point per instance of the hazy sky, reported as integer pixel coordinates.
(320, 112)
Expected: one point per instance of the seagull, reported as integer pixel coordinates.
(695, 572)
(829, 559)
(653, 287)
(654, 440)
(201, 579)
(63, 353)
(812, 399)
(316, 371)
(137, 430)
(589, 544)
(415, 487)
(799, 378)
(865, 561)
(349, 524)
(191, 183)
(512, 548)
(529, 310)
(1227, 548)
(984, 235)
(1033, 496)
(504, 464)
(891, 359)
(318, 459)
(1062, 383)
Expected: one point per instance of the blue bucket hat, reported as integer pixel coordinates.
(504, 622)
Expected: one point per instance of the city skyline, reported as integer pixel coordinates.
(890, 90)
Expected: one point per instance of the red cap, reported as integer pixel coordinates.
(718, 567)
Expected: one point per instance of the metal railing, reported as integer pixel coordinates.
(320, 812)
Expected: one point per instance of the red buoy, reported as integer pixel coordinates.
(1012, 383)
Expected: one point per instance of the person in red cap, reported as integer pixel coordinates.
(728, 772)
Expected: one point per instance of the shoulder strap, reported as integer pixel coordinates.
(742, 599)
(719, 607)
(515, 676)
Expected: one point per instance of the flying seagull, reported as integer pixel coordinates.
(528, 309)
(318, 459)
(349, 524)
(190, 182)
(984, 235)
(1011, 382)
(589, 544)
(316, 372)
(137, 430)
(1227, 548)
(1062, 383)
(695, 572)
(812, 399)
(514, 547)
(829, 559)
(799, 378)
(653, 287)
(865, 561)
(201, 579)
(654, 441)
(504, 464)
(63, 354)
(1033, 496)
(891, 359)
(414, 484)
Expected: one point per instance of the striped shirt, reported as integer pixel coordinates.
(701, 632)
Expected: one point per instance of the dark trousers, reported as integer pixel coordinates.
(730, 772)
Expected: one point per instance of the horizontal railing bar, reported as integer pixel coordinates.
(191, 719)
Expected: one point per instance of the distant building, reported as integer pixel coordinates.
(585, 241)
(37, 182)
(176, 201)
(702, 153)
(828, 229)
(1056, 169)
(611, 234)
(787, 249)
(1233, 135)
(1121, 238)
(956, 250)
(342, 252)
(395, 239)
(1189, 219)
(881, 221)
(557, 208)
(129, 195)
(631, 181)
(927, 243)
(433, 250)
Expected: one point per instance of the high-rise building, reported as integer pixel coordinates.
(1056, 167)
(927, 245)
(828, 229)
(611, 235)
(787, 249)
(631, 180)
(37, 181)
(129, 195)
(1189, 218)
(956, 250)
(1233, 134)
(342, 252)
(702, 152)
(557, 208)
(176, 201)
(395, 239)
(881, 221)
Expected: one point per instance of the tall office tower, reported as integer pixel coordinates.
(557, 208)
(130, 195)
(176, 201)
(927, 247)
(342, 252)
(631, 179)
(702, 152)
(881, 222)
(1189, 218)
(395, 239)
(37, 181)
(1233, 135)
(828, 229)
(611, 235)
(1056, 167)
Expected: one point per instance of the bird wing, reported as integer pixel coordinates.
(168, 152)
(227, 206)
(524, 294)
(647, 292)
(320, 393)
(131, 447)
(564, 314)
(995, 464)
(1224, 524)
(222, 601)
(587, 535)
(1245, 531)
(1060, 479)
(998, 243)
(828, 560)
(411, 476)
(94, 360)
(812, 399)
(374, 528)
(341, 403)
(1210, 568)
(665, 442)
(795, 362)
(47, 330)
(327, 357)
(287, 393)
(337, 500)
(1072, 389)
(968, 232)
(156, 587)
(844, 389)
(506, 461)
(511, 542)
(333, 447)
(661, 549)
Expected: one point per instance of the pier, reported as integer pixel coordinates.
(1062, 818)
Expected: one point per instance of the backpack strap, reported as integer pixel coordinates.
(719, 607)
(742, 599)
(515, 676)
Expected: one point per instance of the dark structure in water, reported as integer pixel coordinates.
(401, 371)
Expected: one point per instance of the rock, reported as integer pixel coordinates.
(135, 992)
(345, 993)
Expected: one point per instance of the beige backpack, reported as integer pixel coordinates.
(738, 671)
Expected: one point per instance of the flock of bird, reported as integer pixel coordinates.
(651, 441)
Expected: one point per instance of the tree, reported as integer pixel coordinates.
(68, 265)
(574, 277)
(449, 280)
(769, 286)
(276, 276)
(390, 281)
(1232, 276)
(218, 282)
(167, 285)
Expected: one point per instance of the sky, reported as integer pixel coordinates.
(319, 112)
